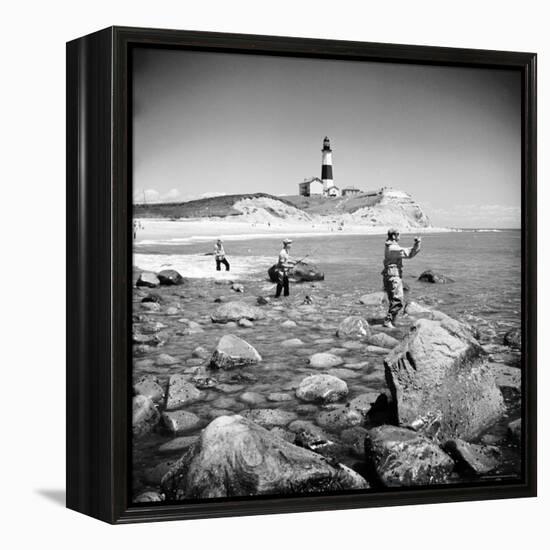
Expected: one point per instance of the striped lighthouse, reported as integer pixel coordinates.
(326, 168)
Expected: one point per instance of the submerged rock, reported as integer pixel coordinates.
(170, 277)
(232, 352)
(181, 392)
(430, 276)
(322, 388)
(325, 361)
(145, 415)
(400, 457)
(235, 311)
(441, 384)
(148, 279)
(235, 457)
(353, 327)
(479, 459)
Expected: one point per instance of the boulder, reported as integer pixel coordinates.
(513, 338)
(232, 352)
(269, 418)
(148, 279)
(149, 387)
(325, 360)
(178, 422)
(322, 388)
(430, 276)
(479, 459)
(441, 384)
(400, 457)
(145, 415)
(353, 327)
(181, 392)
(170, 277)
(235, 457)
(235, 311)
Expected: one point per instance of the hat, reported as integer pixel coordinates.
(392, 231)
(287, 241)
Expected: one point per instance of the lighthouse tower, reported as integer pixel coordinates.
(326, 168)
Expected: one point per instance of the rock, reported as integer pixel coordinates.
(292, 342)
(322, 388)
(252, 398)
(178, 444)
(178, 422)
(400, 457)
(220, 299)
(302, 272)
(283, 434)
(152, 327)
(170, 277)
(245, 323)
(325, 361)
(377, 350)
(269, 418)
(146, 339)
(278, 397)
(229, 388)
(353, 327)
(339, 418)
(235, 457)
(200, 352)
(415, 309)
(149, 496)
(491, 439)
(262, 301)
(154, 298)
(430, 276)
(513, 338)
(149, 387)
(506, 377)
(288, 324)
(441, 384)
(145, 415)
(344, 374)
(181, 392)
(354, 438)
(148, 279)
(382, 340)
(364, 402)
(172, 311)
(151, 306)
(232, 352)
(165, 360)
(154, 475)
(374, 299)
(235, 311)
(237, 287)
(514, 430)
(479, 459)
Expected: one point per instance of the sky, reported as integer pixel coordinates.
(219, 123)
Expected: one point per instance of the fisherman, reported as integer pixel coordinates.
(284, 265)
(393, 273)
(219, 254)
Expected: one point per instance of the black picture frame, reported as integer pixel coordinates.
(99, 243)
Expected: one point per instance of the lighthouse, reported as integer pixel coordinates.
(329, 188)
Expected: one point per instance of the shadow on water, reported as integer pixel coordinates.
(57, 496)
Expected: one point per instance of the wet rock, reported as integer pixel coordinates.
(277, 397)
(237, 287)
(479, 459)
(430, 276)
(288, 324)
(441, 384)
(322, 388)
(252, 398)
(170, 277)
(400, 457)
(513, 338)
(178, 444)
(181, 392)
(232, 352)
(245, 323)
(200, 352)
(374, 299)
(145, 415)
(178, 422)
(339, 418)
(149, 496)
(382, 340)
(269, 418)
(164, 359)
(353, 327)
(148, 279)
(235, 457)
(325, 361)
(149, 387)
(514, 430)
(292, 342)
(235, 311)
(364, 402)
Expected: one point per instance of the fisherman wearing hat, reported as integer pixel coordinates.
(219, 254)
(284, 265)
(393, 273)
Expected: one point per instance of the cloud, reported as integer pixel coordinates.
(173, 195)
(476, 215)
(170, 195)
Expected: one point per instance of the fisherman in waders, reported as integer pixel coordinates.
(284, 265)
(219, 254)
(393, 273)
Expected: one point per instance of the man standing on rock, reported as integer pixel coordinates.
(284, 265)
(219, 253)
(393, 273)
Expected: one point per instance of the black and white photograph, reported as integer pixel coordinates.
(326, 276)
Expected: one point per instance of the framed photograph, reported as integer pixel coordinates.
(301, 274)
